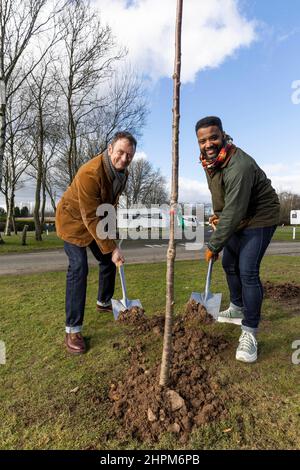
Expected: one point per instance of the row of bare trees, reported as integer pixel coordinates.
(65, 89)
(288, 201)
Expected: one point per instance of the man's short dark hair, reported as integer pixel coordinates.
(209, 121)
(124, 135)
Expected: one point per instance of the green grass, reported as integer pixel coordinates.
(40, 411)
(13, 243)
(285, 234)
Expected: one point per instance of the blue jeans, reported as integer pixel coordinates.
(77, 282)
(241, 260)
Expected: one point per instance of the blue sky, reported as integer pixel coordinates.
(244, 76)
(251, 91)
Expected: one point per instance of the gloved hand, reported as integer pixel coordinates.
(210, 255)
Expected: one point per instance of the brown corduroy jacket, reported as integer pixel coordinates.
(76, 220)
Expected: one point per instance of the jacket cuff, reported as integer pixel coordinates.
(106, 246)
(213, 249)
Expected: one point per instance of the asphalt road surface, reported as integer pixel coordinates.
(140, 251)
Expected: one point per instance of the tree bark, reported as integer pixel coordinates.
(10, 223)
(24, 234)
(39, 176)
(171, 254)
(2, 122)
(44, 198)
(52, 197)
(2, 125)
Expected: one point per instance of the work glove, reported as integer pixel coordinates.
(210, 255)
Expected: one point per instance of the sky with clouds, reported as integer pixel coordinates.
(240, 61)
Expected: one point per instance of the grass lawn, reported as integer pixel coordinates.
(51, 241)
(285, 234)
(13, 243)
(50, 400)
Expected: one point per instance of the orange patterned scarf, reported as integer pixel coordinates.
(221, 160)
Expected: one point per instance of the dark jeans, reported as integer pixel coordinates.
(241, 260)
(77, 281)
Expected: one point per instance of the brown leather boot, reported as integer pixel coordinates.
(103, 309)
(75, 343)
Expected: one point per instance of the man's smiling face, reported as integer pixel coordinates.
(121, 153)
(210, 141)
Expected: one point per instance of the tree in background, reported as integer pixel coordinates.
(18, 153)
(86, 59)
(145, 185)
(288, 201)
(17, 212)
(21, 23)
(24, 212)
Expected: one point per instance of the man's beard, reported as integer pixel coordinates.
(216, 153)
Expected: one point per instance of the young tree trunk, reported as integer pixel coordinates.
(36, 212)
(72, 151)
(14, 225)
(10, 223)
(24, 234)
(39, 176)
(2, 126)
(171, 254)
(2, 119)
(44, 198)
(51, 196)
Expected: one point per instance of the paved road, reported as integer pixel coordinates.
(141, 251)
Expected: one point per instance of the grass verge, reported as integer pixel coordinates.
(50, 400)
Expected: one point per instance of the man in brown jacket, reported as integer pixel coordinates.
(100, 180)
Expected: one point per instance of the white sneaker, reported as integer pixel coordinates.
(247, 348)
(233, 314)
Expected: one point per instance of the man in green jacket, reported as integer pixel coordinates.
(246, 213)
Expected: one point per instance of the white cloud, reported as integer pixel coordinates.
(212, 31)
(192, 190)
(284, 177)
(140, 155)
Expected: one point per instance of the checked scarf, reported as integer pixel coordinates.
(221, 160)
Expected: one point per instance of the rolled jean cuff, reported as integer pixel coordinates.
(249, 329)
(73, 329)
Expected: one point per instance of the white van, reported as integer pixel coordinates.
(143, 218)
(147, 218)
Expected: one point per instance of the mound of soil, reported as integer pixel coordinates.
(284, 291)
(195, 395)
(132, 316)
(197, 312)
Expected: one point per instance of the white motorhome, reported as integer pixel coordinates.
(145, 218)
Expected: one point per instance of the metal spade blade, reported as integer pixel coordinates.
(123, 304)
